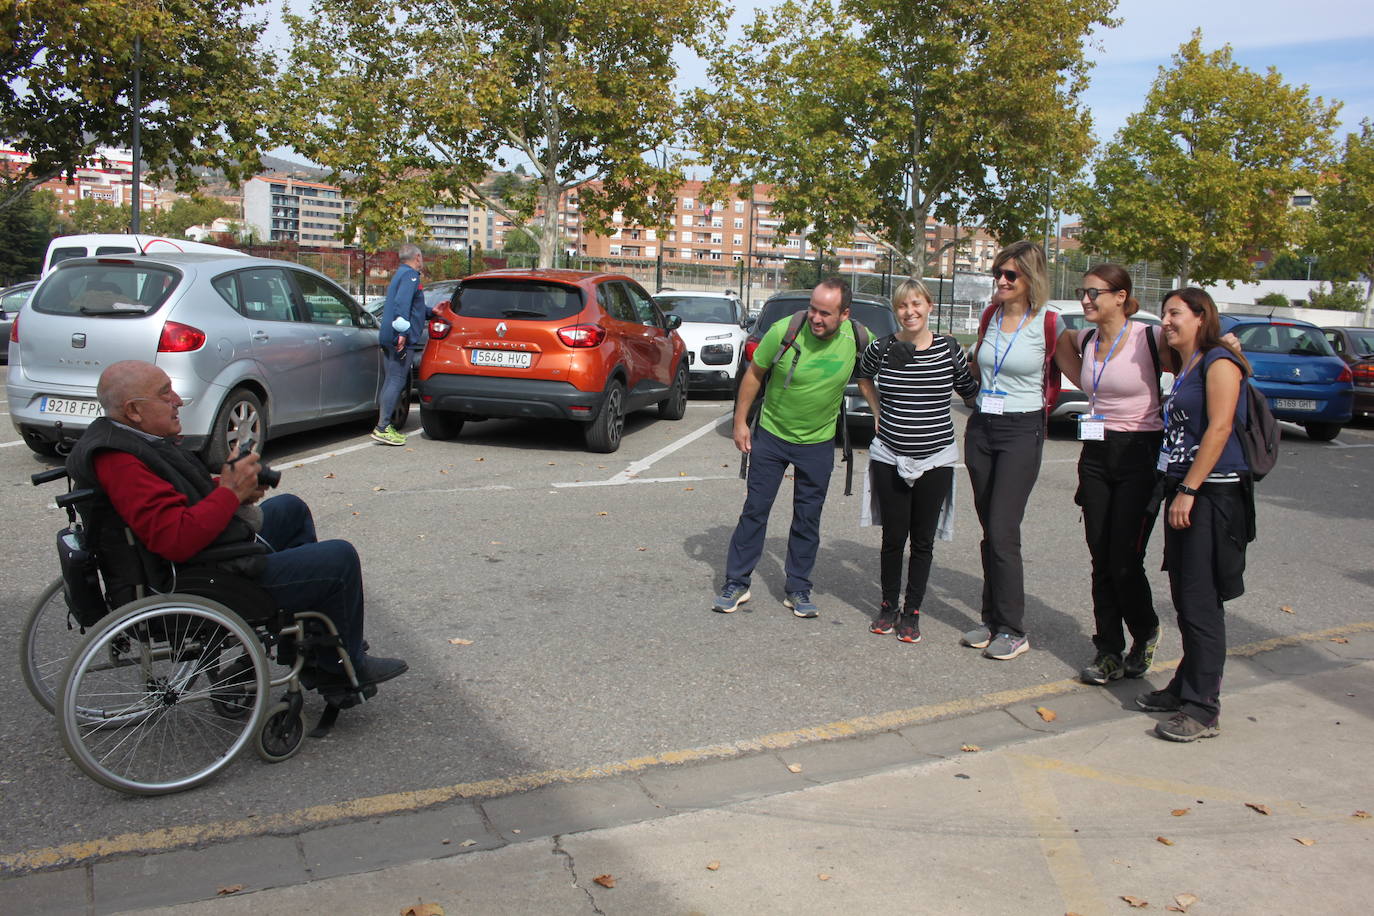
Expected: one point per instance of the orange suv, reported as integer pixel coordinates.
(555, 345)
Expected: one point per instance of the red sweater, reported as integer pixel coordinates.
(158, 514)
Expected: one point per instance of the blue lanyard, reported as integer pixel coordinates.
(1178, 383)
(1097, 375)
(997, 360)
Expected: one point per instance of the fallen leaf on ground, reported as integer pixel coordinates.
(479, 459)
(970, 748)
(329, 476)
(378, 489)
(689, 489)
(1340, 639)
(713, 866)
(602, 466)
(603, 513)
(604, 880)
(641, 548)
(1181, 903)
(456, 641)
(1305, 841)
(1360, 814)
(552, 463)
(1165, 840)
(794, 768)
(467, 843)
(1262, 809)
(1179, 812)
(682, 473)
(443, 470)
(423, 909)
(498, 543)
(823, 876)
(1287, 610)
(1049, 715)
(1134, 901)
(229, 889)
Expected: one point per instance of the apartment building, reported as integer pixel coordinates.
(284, 209)
(107, 178)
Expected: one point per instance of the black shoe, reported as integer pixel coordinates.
(1158, 701)
(371, 670)
(1141, 656)
(1183, 727)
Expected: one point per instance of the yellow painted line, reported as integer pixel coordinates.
(1063, 856)
(405, 802)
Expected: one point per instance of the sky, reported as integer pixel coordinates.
(1327, 45)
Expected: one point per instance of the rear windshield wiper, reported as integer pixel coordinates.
(522, 313)
(116, 308)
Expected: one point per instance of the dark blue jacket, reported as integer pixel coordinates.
(405, 297)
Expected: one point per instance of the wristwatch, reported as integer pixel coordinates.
(1186, 490)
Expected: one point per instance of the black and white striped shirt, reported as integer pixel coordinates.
(914, 389)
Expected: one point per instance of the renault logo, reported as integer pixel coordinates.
(79, 341)
(501, 329)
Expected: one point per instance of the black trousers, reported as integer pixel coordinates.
(1116, 480)
(910, 512)
(1191, 556)
(1002, 454)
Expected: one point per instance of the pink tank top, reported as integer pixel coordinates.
(1127, 393)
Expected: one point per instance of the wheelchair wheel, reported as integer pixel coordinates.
(283, 730)
(47, 644)
(160, 670)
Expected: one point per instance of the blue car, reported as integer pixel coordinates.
(1303, 378)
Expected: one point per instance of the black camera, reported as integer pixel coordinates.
(266, 476)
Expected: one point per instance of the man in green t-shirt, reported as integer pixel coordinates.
(796, 427)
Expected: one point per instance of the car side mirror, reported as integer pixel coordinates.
(747, 323)
(672, 322)
(366, 320)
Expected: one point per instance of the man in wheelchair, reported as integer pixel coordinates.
(178, 512)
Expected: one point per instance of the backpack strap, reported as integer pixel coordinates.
(983, 321)
(789, 342)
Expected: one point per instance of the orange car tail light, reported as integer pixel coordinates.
(438, 329)
(582, 336)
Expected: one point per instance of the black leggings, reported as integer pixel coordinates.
(909, 513)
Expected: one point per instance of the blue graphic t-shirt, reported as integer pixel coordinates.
(1185, 421)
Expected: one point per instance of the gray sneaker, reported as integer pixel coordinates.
(1183, 727)
(801, 604)
(731, 597)
(976, 639)
(1158, 701)
(1006, 646)
(1141, 656)
(1106, 667)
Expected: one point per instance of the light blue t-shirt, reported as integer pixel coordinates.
(1022, 376)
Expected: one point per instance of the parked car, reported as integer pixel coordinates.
(1304, 380)
(714, 328)
(1072, 401)
(1356, 347)
(65, 247)
(255, 347)
(551, 345)
(435, 293)
(11, 298)
(873, 312)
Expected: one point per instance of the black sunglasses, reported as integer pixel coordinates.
(1011, 275)
(1092, 292)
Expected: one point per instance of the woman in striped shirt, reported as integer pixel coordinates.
(906, 378)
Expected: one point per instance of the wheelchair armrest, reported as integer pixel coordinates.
(224, 552)
(74, 497)
(48, 476)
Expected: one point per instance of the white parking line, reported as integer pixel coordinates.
(9, 444)
(631, 473)
(334, 454)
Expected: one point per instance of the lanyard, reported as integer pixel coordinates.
(1097, 375)
(997, 360)
(1178, 383)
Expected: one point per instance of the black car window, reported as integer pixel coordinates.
(437, 293)
(700, 309)
(264, 294)
(114, 249)
(529, 299)
(614, 302)
(1292, 340)
(65, 254)
(1336, 341)
(643, 306)
(1362, 342)
(324, 302)
(12, 301)
(119, 290)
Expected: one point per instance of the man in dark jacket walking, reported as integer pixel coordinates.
(402, 338)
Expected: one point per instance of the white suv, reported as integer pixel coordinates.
(714, 328)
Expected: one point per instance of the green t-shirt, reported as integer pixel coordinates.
(804, 412)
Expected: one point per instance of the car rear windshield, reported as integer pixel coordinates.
(877, 318)
(529, 299)
(114, 290)
(1362, 342)
(1292, 340)
(704, 309)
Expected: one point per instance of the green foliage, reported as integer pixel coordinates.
(67, 71)
(1343, 229)
(1199, 180)
(184, 213)
(887, 113)
(1345, 297)
(1273, 300)
(407, 101)
(526, 242)
(25, 230)
(1292, 265)
(91, 215)
(799, 274)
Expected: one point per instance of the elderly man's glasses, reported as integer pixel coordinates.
(1092, 292)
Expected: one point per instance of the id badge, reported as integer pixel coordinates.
(1163, 464)
(1092, 428)
(994, 404)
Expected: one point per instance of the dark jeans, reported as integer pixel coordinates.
(812, 466)
(910, 512)
(1190, 555)
(1116, 479)
(395, 383)
(305, 574)
(1002, 454)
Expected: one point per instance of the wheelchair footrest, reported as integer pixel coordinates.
(336, 700)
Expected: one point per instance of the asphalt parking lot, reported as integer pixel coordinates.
(580, 585)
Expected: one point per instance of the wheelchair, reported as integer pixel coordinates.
(159, 694)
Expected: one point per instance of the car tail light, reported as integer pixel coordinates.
(438, 329)
(1345, 375)
(750, 346)
(582, 336)
(180, 338)
(14, 329)
(1363, 374)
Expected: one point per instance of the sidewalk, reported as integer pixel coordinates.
(1068, 815)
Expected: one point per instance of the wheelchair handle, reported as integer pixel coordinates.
(48, 476)
(75, 496)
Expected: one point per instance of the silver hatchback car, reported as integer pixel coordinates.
(255, 347)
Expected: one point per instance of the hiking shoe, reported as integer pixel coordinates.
(1158, 701)
(801, 604)
(1006, 646)
(731, 597)
(887, 619)
(1106, 667)
(909, 627)
(976, 639)
(1141, 656)
(1183, 727)
(389, 436)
